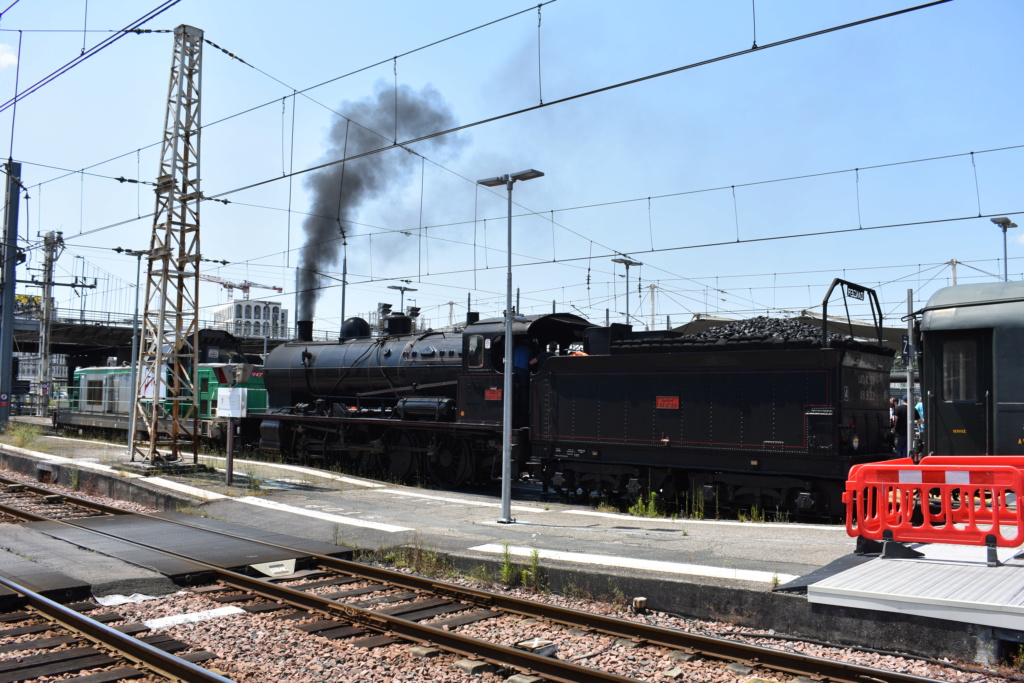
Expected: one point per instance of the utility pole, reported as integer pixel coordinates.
(166, 391)
(344, 284)
(10, 256)
(53, 244)
(909, 436)
(652, 287)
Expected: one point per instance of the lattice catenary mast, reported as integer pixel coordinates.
(166, 406)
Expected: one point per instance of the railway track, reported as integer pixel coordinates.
(43, 638)
(367, 607)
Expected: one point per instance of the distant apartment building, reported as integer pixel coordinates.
(252, 318)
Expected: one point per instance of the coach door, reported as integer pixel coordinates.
(959, 406)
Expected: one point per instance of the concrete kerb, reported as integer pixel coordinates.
(90, 479)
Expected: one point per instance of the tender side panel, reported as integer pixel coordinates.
(777, 412)
(731, 408)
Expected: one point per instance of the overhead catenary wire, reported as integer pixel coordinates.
(153, 13)
(532, 108)
(582, 94)
(588, 93)
(564, 261)
(653, 197)
(555, 260)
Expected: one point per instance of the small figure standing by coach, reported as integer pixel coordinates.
(899, 426)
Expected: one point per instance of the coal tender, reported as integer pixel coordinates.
(764, 413)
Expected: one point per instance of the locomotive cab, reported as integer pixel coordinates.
(481, 386)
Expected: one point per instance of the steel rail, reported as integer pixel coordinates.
(718, 648)
(152, 658)
(501, 655)
(23, 515)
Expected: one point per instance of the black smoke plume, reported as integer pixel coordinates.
(340, 190)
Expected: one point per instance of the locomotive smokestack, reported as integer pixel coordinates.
(339, 190)
(305, 328)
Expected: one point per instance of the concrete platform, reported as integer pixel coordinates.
(706, 569)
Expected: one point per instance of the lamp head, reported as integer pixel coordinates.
(1004, 222)
(528, 174)
(492, 182)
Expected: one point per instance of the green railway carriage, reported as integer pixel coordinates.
(99, 398)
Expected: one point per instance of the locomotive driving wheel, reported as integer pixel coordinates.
(401, 461)
(448, 461)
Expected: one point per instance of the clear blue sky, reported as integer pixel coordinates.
(714, 237)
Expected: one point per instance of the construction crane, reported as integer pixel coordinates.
(245, 285)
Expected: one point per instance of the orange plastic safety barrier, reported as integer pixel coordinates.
(942, 499)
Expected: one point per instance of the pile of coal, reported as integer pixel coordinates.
(761, 332)
(762, 328)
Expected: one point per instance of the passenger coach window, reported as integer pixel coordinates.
(959, 371)
(476, 351)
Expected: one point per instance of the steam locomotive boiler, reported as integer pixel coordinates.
(405, 404)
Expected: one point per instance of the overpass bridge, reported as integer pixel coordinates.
(91, 337)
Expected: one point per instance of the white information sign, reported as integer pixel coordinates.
(231, 401)
(148, 380)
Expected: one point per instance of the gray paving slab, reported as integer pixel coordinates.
(261, 535)
(144, 539)
(172, 568)
(49, 566)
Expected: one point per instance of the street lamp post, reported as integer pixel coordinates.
(344, 283)
(506, 430)
(627, 262)
(403, 290)
(1004, 223)
(135, 344)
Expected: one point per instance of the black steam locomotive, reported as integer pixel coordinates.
(767, 416)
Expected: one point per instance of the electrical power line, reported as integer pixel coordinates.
(103, 44)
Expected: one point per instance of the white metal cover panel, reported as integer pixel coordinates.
(937, 585)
